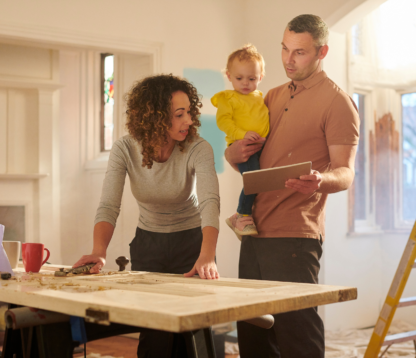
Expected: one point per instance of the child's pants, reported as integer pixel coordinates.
(245, 204)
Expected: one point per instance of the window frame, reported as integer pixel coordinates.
(362, 25)
(363, 147)
(368, 225)
(400, 223)
(102, 102)
(363, 78)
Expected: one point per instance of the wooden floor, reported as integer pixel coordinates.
(119, 347)
(113, 346)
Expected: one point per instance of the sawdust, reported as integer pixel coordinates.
(352, 343)
(106, 273)
(57, 283)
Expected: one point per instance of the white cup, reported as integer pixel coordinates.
(12, 249)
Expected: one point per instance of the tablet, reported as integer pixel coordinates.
(258, 181)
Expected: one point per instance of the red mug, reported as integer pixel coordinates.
(32, 256)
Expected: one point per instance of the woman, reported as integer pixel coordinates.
(163, 155)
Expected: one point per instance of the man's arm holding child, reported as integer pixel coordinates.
(241, 150)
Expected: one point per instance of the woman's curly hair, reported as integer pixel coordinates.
(149, 104)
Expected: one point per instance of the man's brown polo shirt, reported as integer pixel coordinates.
(303, 123)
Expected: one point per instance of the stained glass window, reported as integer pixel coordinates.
(360, 177)
(107, 102)
(409, 155)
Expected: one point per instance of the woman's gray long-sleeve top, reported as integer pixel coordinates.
(166, 194)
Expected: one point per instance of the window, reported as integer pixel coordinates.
(357, 39)
(360, 159)
(107, 101)
(409, 155)
(386, 169)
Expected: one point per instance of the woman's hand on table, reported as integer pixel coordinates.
(103, 231)
(98, 260)
(205, 267)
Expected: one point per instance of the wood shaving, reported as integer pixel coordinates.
(107, 273)
(54, 287)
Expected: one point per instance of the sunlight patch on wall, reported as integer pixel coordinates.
(209, 82)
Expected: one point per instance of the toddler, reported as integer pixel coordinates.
(241, 113)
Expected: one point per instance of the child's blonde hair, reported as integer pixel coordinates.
(246, 53)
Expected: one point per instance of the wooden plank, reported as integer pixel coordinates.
(408, 301)
(399, 338)
(164, 301)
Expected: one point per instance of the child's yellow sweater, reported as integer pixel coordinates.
(239, 113)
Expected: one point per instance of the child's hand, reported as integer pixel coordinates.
(252, 136)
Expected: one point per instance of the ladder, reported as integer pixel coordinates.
(394, 301)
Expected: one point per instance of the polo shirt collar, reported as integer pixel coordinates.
(312, 80)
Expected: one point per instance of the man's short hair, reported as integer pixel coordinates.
(312, 24)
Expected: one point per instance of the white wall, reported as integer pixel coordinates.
(267, 19)
(193, 33)
(190, 34)
(367, 261)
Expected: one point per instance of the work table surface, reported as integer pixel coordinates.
(164, 301)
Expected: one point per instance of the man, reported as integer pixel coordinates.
(311, 119)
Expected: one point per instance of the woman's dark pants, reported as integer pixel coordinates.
(174, 252)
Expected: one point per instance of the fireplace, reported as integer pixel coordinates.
(13, 219)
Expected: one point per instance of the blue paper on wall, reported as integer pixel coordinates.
(4, 260)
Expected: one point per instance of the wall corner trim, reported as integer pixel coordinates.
(96, 41)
